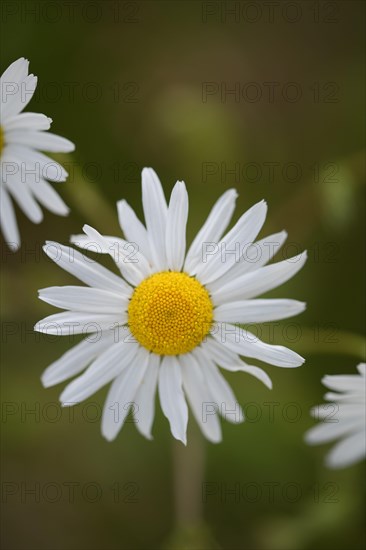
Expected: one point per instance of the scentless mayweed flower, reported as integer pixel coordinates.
(173, 312)
(24, 169)
(343, 418)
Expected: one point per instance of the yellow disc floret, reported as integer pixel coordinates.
(2, 140)
(170, 313)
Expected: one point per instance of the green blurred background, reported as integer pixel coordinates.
(126, 82)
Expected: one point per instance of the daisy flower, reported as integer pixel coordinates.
(167, 322)
(24, 169)
(344, 418)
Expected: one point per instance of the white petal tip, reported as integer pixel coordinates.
(67, 146)
(65, 403)
(47, 244)
(75, 239)
(44, 381)
(263, 204)
(109, 436)
(90, 231)
(64, 211)
(297, 360)
(181, 439)
(13, 247)
(147, 171)
(309, 439)
(362, 368)
(47, 380)
(333, 464)
(37, 219)
(326, 379)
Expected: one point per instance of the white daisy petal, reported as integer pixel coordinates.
(258, 311)
(245, 343)
(156, 212)
(328, 431)
(47, 196)
(122, 394)
(16, 72)
(362, 369)
(23, 197)
(347, 452)
(333, 412)
(176, 227)
(199, 398)
(34, 162)
(261, 252)
(103, 370)
(78, 322)
(41, 140)
(346, 398)
(259, 281)
(76, 359)
(9, 226)
(244, 231)
(220, 390)
(78, 298)
(346, 382)
(145, 397)
(253, 257)
(85, 269)
(133, 229)
(172, 398)
(122, 252)
(344, 418)
(28, 121)
(134, 268)
(81, 240)
(16, 97)
(212, 230)
(228, 360)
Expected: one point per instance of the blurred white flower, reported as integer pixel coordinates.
(165, 323)
(344, 418)
(24, 169)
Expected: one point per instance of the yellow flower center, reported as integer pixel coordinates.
(2, 140)
(170, 313)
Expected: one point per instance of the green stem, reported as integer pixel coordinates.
(85, 197)
(189, 464)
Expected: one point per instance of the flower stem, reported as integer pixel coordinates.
(85, 197)
(189, 465)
